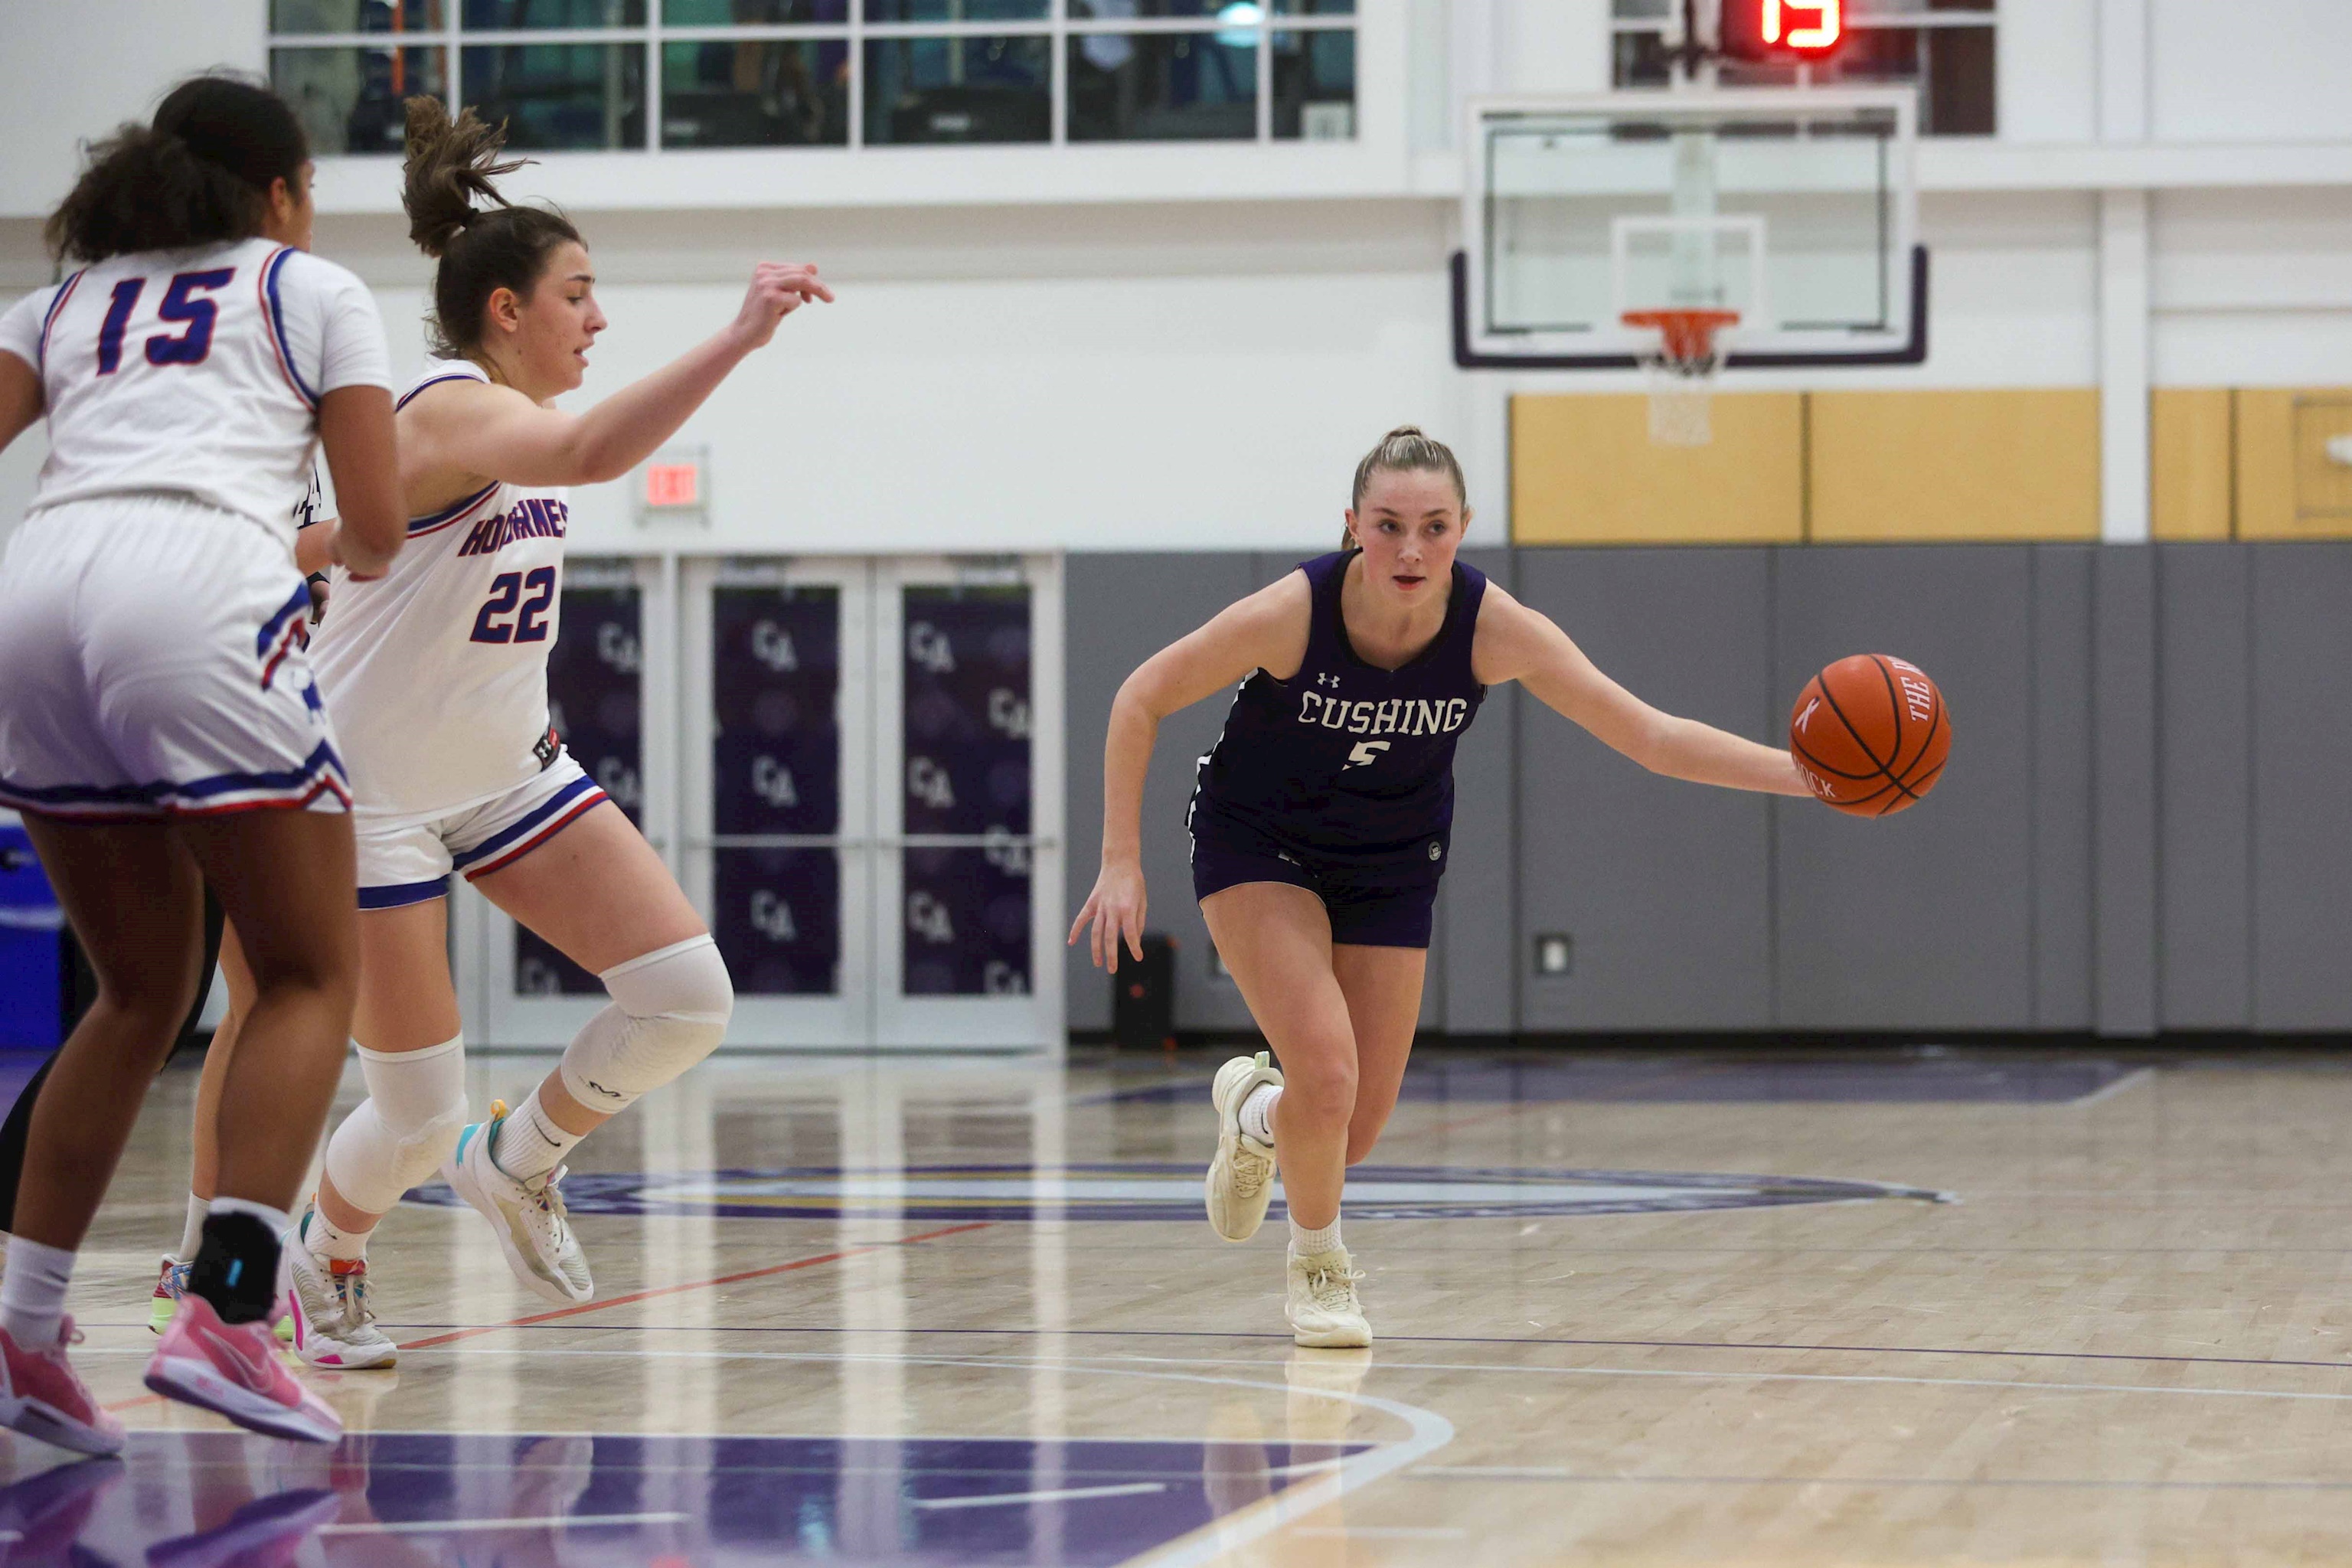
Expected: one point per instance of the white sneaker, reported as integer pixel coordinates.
(1241, 1177)
(327, 1301)
(1323, 1311)
(533, 1228)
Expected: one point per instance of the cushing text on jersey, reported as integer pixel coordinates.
(1393, 716)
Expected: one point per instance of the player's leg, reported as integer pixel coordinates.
(133, 898)
(1383, 987)
(599, 893)
(412, 1057)
(285, 880)
(203, 1162)
(1275, 938)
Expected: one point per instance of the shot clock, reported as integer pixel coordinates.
(1782, 29)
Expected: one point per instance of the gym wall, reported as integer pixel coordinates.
(2141, 829)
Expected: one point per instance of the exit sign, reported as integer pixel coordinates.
(1782, 29)
(674, 483)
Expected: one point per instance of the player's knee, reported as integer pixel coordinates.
(1324, 1091)
(670, 1009)
(404, 1129)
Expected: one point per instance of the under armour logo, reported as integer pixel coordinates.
(1327, 681)
(607, 1093)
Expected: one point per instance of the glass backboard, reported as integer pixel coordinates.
(1795, 207)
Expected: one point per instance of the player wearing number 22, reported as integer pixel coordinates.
(1322, 825)
(435, 675)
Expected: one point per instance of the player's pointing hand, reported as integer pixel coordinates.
(778, 288)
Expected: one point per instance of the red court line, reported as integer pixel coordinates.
(699, 1284)
(524, 1322)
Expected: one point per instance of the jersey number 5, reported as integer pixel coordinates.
(506, 591)
(180, 304)
(1366, 753)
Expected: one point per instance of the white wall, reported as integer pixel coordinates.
(2253, 287)
(73, 69)
(2250, 70)
(1076, 370)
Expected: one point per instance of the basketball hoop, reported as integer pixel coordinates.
(1682, 372)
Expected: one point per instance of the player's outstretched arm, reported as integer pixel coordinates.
(1266, 631)
(1516, 642)
(20, 398)
(496, 433)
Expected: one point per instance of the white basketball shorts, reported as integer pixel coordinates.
(406, 857)
(152, 666)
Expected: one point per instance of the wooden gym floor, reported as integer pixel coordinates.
(1663, 1309)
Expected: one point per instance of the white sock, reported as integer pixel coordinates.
(530, 1142)
(1306, 1243)
(33, 1292)
(192, 1233)
(278, 1221)
(328, 1241)
(1257, 1113)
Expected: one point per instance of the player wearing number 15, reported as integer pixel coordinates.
(1322, 823)
(436, 676)
(159, 725)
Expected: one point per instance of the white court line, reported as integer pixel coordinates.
(2121, 1084)
(455, 1526)
(1064, 1494)
(1381, 1532)
(1505, 1369)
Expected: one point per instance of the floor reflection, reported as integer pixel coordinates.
(205, 1499)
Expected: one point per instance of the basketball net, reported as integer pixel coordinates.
(1682, 372)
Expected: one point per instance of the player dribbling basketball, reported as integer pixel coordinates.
(1321, 823)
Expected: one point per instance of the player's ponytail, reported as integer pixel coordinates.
(199, 174)
(456, 215)
(1408, 448)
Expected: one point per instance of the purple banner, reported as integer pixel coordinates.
(776, 914)
(966, 733)
(775, 683)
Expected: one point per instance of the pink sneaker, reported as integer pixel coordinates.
(44, 1399)
(233, 1370)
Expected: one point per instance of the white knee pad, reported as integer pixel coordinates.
(404, 1130)
(670, 1010)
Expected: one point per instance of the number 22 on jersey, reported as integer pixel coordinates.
(506, 593)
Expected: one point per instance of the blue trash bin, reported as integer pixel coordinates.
(30, 932)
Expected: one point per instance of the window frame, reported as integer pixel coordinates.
(1058, 27)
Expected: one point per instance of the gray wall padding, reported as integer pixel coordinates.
(2143, 824)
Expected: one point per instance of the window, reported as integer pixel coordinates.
(1944, 48)
(585, 75)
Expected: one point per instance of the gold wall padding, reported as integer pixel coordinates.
(2003, 463)
(1584, 471)
(2192, 493)
(2289, 484)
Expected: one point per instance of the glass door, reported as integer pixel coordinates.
(777, 791)
(968, 887)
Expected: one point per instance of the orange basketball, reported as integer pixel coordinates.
(1871, 734)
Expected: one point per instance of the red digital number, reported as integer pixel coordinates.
(1807, 27)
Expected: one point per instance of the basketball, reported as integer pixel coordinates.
(1871, 733)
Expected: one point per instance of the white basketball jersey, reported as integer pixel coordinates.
(436, 673)
(195, 371)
